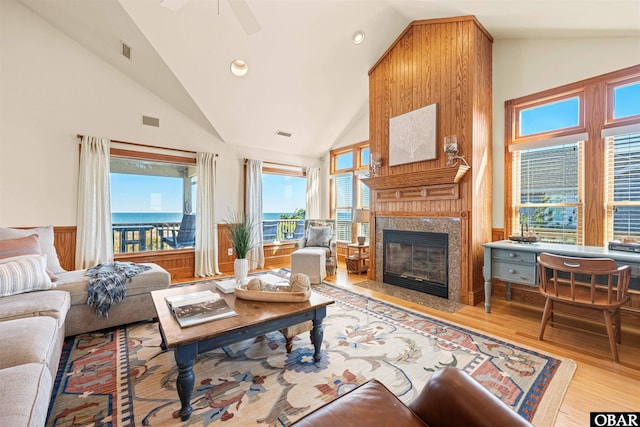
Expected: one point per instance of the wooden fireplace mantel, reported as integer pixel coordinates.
(429, 177)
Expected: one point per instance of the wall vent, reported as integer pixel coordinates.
(283, 133)
(151, 121)
(126, 50)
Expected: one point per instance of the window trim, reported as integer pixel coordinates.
(516, 138)
(357, 169)
(595, 119)
(611, 86)
(142, 155)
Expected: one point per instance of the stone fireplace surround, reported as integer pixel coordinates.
(449, 226)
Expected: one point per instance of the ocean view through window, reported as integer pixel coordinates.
(152, 204)
(284, 198)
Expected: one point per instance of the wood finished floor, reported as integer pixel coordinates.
(598, 384)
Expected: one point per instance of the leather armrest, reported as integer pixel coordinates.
(452, 397)
(370, 404)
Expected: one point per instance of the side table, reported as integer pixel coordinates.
(357, 263)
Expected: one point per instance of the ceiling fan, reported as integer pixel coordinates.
(240, 8)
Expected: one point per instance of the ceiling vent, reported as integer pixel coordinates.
(151, 121)
(283, 133)
(126, 50)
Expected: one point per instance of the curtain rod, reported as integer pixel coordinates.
(79, 136)
(276, 163)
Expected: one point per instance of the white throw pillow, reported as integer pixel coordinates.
(24, 275)
(45, 236)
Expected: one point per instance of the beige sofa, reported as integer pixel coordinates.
(33, 326)
(137, 305)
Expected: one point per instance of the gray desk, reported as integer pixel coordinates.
(514, 262)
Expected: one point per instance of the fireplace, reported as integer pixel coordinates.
(416, 260)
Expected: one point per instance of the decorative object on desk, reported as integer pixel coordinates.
(198, 307)
(361, 217)
(451, 150)
(239, 229)
(527, 237)
(626, 244)
(256, 383)
(270, 287)
(412, 136)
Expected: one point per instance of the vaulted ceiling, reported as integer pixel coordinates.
(305, 75)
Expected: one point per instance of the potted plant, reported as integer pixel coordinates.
(240, 234)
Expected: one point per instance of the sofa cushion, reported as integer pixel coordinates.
(75, 282)
(319, 236)
(45, 238)
(28, 340)
(14, 249)
(28, 245)
(24, 275)
(25, 391)
(52, 303)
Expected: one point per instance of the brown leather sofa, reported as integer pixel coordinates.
(450, 398)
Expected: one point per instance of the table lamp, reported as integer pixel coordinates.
(361, 216)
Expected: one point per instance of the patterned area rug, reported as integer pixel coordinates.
(122, 377)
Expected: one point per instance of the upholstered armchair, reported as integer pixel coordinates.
(321, 234)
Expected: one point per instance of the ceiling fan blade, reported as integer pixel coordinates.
(245, 16)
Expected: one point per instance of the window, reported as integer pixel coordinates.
(567, 184)
(284, 199)
(550, 116)
(343, 205)
(149, 198)
(623, 186)
(624, 98)
(548, 192)
(349, 165)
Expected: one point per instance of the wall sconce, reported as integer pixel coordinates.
(375, 163)
(451, 150)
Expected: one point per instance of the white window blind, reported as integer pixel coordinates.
(343, 194)
(548, 192)
(623, 186)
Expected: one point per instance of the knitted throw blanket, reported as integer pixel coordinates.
(108, 283)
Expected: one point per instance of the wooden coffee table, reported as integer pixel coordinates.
(254, 318)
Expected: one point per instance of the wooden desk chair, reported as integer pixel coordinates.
(592, 283)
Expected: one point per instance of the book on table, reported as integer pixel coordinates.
(198, 307)
(227, 286)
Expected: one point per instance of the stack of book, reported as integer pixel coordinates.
(198, 307)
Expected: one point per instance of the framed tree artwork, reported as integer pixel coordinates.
(412, 136)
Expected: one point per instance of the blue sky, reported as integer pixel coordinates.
(282, 193)
(142, 193)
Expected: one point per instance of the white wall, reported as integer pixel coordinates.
(52, 88)
(523, 66)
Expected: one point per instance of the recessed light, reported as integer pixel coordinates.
(358, 37)
(239, 67)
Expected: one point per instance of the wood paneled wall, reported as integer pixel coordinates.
(448, 62)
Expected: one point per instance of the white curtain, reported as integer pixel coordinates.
(206, 256)
(253, 205)
(313, 193)
(94, 237)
